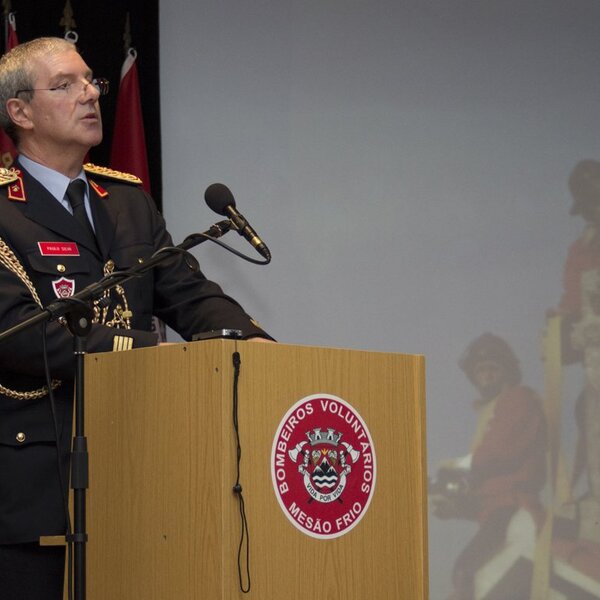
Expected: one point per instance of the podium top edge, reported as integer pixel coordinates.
(233, 342)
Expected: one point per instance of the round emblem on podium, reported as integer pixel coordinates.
(323, 466)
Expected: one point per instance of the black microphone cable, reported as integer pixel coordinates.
(237, 488)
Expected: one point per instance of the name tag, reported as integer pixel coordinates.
(58, 248)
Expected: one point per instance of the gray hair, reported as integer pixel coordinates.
(16, 72)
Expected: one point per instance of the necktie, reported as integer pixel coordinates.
(75, 196)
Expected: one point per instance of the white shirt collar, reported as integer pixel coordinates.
(56, 183)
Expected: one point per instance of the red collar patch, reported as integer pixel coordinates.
(16, 190)
(99, 190)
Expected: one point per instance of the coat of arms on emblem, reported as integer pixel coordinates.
(325, 463)
(63, 287)
(323, 466)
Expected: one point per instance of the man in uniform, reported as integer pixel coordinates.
(62, 227)
(498, 483)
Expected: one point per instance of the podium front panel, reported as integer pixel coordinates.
(163, 520)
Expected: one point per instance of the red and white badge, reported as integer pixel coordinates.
(63, 287)
(323, 466)
(58, 248)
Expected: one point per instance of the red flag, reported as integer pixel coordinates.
(8, 152)
(128, 151)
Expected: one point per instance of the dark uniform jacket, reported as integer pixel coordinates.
(129, 229)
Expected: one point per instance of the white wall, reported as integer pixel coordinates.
(407, 164)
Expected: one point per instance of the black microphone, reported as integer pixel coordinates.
(220, 199)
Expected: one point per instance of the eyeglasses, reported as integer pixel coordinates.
(72, 89)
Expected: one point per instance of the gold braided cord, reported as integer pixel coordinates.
(29, 395)
(12, 263)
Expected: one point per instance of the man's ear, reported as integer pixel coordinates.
(18, 112)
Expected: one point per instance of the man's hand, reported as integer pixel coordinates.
(260, 339)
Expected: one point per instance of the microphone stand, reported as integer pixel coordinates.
(78, 313)
(79, 321)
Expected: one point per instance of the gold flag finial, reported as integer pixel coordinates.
(127, 33)
(6, 4)
(68, 20)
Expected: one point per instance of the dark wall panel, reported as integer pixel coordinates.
(100, 27)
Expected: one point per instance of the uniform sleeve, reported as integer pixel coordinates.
(189, 302)
(515, 433)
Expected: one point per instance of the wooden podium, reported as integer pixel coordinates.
(163, 521)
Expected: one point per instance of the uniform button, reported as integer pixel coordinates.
(61, 268)
(21, 437)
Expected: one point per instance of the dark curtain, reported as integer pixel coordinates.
(100, 26)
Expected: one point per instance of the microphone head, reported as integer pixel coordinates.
(219, 197)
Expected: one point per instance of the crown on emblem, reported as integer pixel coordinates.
(331, 437)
